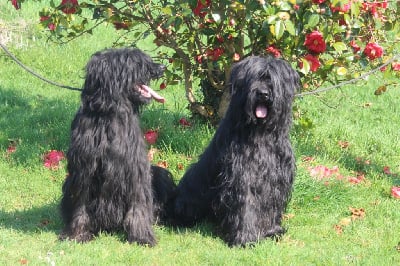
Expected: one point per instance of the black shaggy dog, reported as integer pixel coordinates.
(244, 178)
(111, 185)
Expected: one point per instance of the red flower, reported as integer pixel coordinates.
(373, 50)
(396, 66)
(199, 9)
(372, 7)
(318, 1)
(16, 4)
(272, 50)
(199, 58)
(395, 191)
(382, 4)
(52, 159)
(220, 38)
(355, 46)
(215, 54)
(50, 25)
(183, 122)
(163, 86)
(315, 42)
(341, 8)
(69, 6)
(151, 136)
(314, 62)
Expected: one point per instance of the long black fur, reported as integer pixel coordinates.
(244, 178)
(110, 185)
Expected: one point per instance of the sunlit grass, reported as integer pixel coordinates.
(38, 116)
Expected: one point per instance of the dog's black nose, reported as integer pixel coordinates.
(263, 95)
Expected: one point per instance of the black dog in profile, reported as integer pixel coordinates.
(111, 185)
(244, 178)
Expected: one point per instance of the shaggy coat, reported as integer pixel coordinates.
(109, 186)
(244, 177)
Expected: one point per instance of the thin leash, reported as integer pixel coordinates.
(363, 76)
(16, 60)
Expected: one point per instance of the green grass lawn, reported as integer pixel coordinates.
(331, 221)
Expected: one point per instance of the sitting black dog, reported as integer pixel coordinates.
(244, 178)
(110, 185)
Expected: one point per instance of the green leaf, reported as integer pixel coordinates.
(339, 46)
(355, 10)
(290, 27)
(169, 22)
(306, 67)
(178, 23)
(187, 12)
(285, 6)
(271, 19)
(313, 21)
(167, 10)
(279, 29)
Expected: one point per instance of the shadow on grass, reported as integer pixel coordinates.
(34, 122)
(37, 219)
(345, 159)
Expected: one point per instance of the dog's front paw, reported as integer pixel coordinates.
(80, 237)
(275, 232)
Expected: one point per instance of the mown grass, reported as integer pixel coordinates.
(320, 229)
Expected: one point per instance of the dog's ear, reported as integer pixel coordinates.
(237, 75)
(97, 94)
(109, 80)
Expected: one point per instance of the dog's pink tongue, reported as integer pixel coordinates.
(261, 111)
(152, 93)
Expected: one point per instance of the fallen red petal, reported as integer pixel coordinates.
(52, 159)
(395, 191)
(11, 149)
(151, 136)
(162, 164)
(184, 122)
(386, 170)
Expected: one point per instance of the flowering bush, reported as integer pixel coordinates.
(326, 40)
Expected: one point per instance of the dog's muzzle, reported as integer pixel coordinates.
(261, 110)
(159, 71)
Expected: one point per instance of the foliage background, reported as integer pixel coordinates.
(328, 41)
